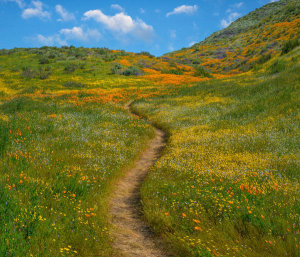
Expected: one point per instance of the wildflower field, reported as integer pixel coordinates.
(228, 181)
(58, 163)
(61, 150)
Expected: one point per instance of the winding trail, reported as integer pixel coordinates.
(132, 236)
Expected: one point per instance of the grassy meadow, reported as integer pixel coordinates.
(228, 181)
(61, 150)
(58, 164)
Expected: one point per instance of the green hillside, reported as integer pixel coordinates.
(250, 40)
(227, 181)
(270, 13)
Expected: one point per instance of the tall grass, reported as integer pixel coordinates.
(227, 183)
(58, 163)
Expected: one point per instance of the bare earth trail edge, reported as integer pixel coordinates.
(132, 235)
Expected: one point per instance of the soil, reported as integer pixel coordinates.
(132, 235)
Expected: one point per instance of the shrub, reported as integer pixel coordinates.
(70, 67)
(102, 51)
(116, 68)
(109, 57)
(289, 46)
(173, 71)
(201, 72)
(81, 66)
(44, 60)
(73, 84)
(43, 74)
(146, 54)
(132, 70)
(195, 61)
(52, 55)
(27, 73)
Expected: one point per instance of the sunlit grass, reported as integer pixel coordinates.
(58, 163)
(227, 183)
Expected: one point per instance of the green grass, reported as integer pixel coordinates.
(227, 182)
(58, 164)
(20, 69)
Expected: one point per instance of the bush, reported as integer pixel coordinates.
(289, 46)
(52, 55)
(132, 70)
(146, 54)
(73, 84)
(27, 73)
(102, 51)
(43, 74)
(173, 71)
(44, 60)
(109, 57)
(116, 68)
(195, 61)
(201, 72)
(70, 67)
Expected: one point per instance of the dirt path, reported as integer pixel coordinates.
(132, 236)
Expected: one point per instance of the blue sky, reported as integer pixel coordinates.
(157, 26)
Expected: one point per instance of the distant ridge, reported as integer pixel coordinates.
(255, 17)
(236, 48)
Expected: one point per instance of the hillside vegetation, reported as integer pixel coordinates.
(247, 42)
(228, 181)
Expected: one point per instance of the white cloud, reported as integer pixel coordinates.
(36, 11)
(64, 35)
(45, 40)
(122, 23)
(77, 33)
(238, 5)
(20, 3)
(117, 7)
(192, 43)
(50, 40)
(173, 34)
(235, 6)
(231, 18)
(233, 14)
(64, 14)
(171, 48)
(272, 1)
(187, 9)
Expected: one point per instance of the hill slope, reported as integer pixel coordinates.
(249, 40)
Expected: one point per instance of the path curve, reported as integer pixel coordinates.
(132, 236)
